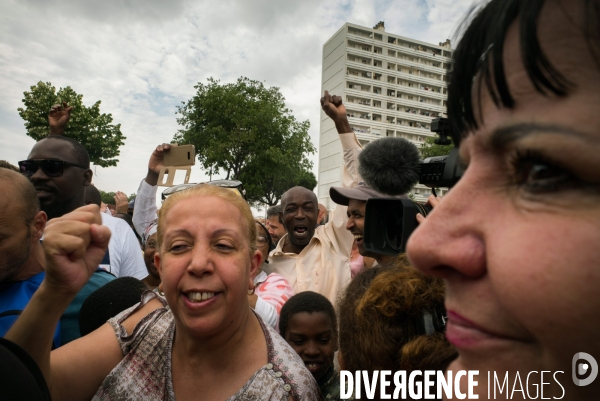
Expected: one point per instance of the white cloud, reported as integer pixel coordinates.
(142, 58)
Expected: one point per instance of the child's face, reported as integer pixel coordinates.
(311, 336)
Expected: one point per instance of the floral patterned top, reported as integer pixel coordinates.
(145, 371)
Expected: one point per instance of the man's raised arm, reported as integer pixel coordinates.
(58, 118)
(334, 108)
(341, 239)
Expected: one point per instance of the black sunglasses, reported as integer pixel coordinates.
(52, 168)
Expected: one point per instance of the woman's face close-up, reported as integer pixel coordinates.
(517, 240)
(205, 264)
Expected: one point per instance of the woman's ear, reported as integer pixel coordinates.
(255, 263)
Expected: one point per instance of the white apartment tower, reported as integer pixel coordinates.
(391, 86)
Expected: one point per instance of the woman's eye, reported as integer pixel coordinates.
(178, 247)
(224, 246)
(538, 175)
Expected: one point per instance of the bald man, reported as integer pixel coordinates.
(317, 258)
(22, 258)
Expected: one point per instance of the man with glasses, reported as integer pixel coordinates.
(59, 169)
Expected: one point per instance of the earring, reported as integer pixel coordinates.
(160, 290)
(251, 292)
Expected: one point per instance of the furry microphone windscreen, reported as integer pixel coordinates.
(390, 165)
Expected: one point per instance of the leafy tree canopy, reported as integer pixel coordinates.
(87, 125)
(430, 149)
(109, 197)
(245, 130)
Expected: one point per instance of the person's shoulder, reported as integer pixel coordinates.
(115, 224)
(150, 309)
(110, 221)
(101, 277)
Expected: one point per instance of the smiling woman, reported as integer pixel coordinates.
(516, 240)
(206, 258)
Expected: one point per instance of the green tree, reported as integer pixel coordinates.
(273, 172)
(430, 149)
(244, 130)
(87, 125)
(109, 197)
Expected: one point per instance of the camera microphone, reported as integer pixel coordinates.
(390, 165)
(393, 166)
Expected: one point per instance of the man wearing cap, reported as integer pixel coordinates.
(356, 200)
(317, 258)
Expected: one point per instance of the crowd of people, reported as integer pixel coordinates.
(187, 302)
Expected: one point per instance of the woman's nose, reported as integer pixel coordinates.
(451, 239)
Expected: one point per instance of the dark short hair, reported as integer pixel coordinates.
(92, 195)
(80, 154)
(309, 302)
(480, 52)
(274, 211)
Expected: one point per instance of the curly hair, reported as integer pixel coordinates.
(381, 315)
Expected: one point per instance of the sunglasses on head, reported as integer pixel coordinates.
(232, 184)
(52, 168)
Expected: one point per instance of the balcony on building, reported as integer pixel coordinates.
(359, 87)
(358, 100)
(359, 46)
(359, 59)
(358, 114)
(359, 73)
(360, 129)
(359, 32)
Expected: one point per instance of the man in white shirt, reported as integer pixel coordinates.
(315, 258)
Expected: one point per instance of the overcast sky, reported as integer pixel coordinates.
(142, 58)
